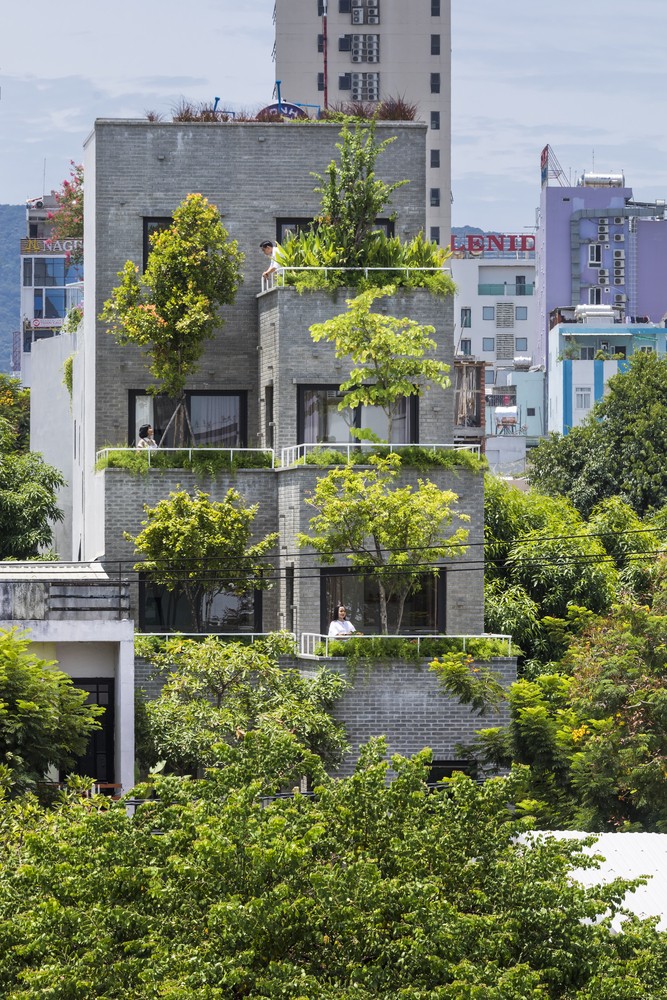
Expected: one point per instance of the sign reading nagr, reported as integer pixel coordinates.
(493, 242)
(33, 245)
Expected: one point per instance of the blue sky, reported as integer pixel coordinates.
(587, 78)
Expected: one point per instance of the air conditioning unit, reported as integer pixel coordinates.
(619, 254)
(358, 39)
(358, 15)
(373, 57)
(619, 272)
(619, 281)
(373, 9)
(357, 3)
(618, 220)
(356, 78)
(620, 297)
(619, 238)
(373, 20)
(603, 281)
(603, 228)
(604, 272)
(357, 57)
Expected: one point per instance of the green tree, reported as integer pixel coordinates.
(172, 309)
(352, 195)
(388, 355)
(395, 534)
(67, 220)
(592, 734)
(619, 451)
(44, 720)
(14, 415)
(28, 504)
(542, 559)
(218, 692)
(368, 891)
(201, 548)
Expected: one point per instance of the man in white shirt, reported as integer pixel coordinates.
(340, 627)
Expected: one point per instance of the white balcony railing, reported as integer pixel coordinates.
(104, 453)
(298, 452)
(311, 640)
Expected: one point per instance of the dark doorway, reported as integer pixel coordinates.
(98, 760)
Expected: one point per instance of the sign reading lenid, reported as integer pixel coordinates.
(493, 243)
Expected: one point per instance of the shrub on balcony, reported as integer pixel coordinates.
(202, 461)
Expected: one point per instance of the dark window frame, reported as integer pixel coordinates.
(435, 121)
(144, 584)
(160, 222)
(435, 83)
(105, 735)
(435, 157)
(435, 45)
(242, 394)
(435, 197)
(413, 404)
(435, 8)
(345, 43)
(434, 234)
(349, 571)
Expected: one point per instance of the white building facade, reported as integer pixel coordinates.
(334, 52)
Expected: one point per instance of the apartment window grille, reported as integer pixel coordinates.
(435, 120)
(504, 315)
(435, 45)
(466, 317)
(435, 83)
(435, 197)
(435, 157)
(435, 234)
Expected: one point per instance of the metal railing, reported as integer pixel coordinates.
(298, 452)
(104, 453)
(311, 640)
(249, 637)
(277, 278)
(505, 288)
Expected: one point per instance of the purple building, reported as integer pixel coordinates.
(596, 246)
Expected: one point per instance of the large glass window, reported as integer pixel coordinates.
(320, 420)
(424, 611)
(466, 317)
(218, 419)
(161, 610)
(49, 303)
(49, 271)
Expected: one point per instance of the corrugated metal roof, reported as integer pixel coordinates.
(70, 572)
(629, 855)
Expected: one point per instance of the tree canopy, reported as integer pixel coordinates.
(201, 547)
(388, 355)
(172, 309)
(619, 450)
(394, 533)
(44, 719)
(217, 692)
(367, 891)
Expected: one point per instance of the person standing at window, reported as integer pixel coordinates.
(146, 438)
(340, 627)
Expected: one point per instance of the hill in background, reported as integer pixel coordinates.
(12, 229)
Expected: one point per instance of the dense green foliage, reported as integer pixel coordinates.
(201, 548)
(619, 450)
(44, 719)
(172, 309)
(391, 357)
(345, 235)
(217, 692)
(28, 503)
(594, 734)
(393, 533)
(416, 456)
(202, 461)
(368, 891)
